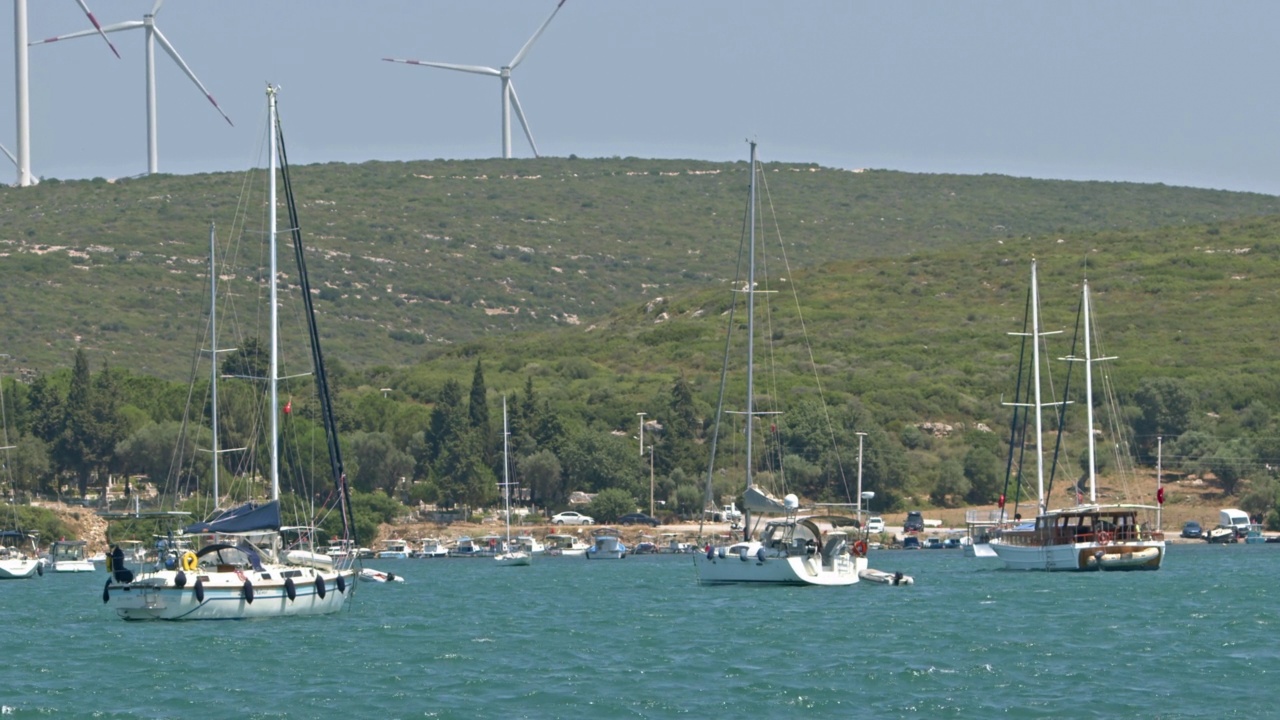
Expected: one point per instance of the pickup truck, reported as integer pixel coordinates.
(727, 513)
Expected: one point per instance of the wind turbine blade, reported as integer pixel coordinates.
(515, 102)
(478, 69)
(525, 50)
(156, 8)
(9, 155)
(128, 25)
(98, 27)
(164, 43)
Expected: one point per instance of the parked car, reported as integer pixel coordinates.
(875, 524)
(570, 517)
(1192, 529)
(639, 518)
(914, 522)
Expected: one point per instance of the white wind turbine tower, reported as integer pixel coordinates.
(21, 84)
(153, 34)
(508, 90)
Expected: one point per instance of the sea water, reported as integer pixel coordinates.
(638, 637)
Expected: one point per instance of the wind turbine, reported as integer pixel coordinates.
(21, 84)
(153, 34)
(508, 89)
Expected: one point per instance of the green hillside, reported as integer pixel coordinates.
(413, 255)
(601, 288)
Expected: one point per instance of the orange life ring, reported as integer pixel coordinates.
(860, 548)
(1104, 537)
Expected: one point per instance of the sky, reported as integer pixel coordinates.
(1179, 92)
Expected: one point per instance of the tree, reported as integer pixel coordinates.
(249, 361)
(982, 470)
(542, 475)
(45, 403)
(610, 504)
(73, 450)
(462, 474)
(1164, 406)
(150, 450)
(1230, 463)
(29, 463)
(379, 464)
(952, 485)
(478, 414)
(594, 461)
(680, 441)
(446, 419)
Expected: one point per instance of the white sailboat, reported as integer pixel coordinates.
(1088, 536)
(510, 554)
(244, 572)
(793, 549)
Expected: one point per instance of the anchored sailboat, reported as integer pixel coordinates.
(243, 570)
(794, 549)
(1088, 536)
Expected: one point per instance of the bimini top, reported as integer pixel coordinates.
(249, 517)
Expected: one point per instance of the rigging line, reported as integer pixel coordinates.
(1017, 404)
(321, 378)
(1062, 407)
(804, 332)
(724, 369)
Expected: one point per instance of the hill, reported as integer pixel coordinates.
(413, 255)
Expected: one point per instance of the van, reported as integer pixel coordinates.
(1237, 520)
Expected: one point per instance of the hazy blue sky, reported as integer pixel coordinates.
(1173, 91)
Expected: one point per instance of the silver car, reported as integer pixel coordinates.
(570, 517)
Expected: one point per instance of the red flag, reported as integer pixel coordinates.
(1160, 494)
(1001, 501)
(288, 406)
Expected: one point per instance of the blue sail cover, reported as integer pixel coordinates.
(249, 517)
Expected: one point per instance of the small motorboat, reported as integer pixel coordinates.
(607, 547)
(371, 575)
(1222, 535)
(886, 578)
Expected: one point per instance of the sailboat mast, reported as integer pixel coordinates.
(1088, 398)
(751, 315)
(506, 481)
(213, 352)
(1035, 363)
(274, 373)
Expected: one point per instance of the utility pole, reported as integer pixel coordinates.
(860, 436)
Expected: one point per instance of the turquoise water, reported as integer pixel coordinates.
(571, 638)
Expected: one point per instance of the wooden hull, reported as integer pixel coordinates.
(1081, 556)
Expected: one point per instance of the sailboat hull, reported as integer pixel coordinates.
(742, 564)
(518, 557)
(225, 595)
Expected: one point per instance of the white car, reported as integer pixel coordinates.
(875, 524)
(572, 518)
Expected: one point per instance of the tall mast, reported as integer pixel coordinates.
(506, 482)
(274, 372)
(1035, 363)
(751, 314)
(213, 352)
(1088, 398)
